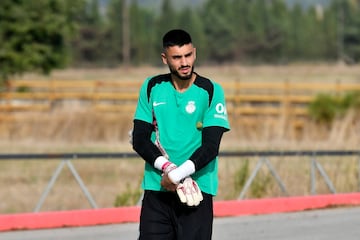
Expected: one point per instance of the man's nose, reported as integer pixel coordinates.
(183, 61)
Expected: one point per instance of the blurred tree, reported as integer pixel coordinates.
(351, 37)
(34, 35)
(257, 41)
(240, 23)
(278, 31)
(87, 46)
(115, 31)
(219, 30)
(166, 20)
(297, 32)
(142, 36)
(263, 31)
(268, 29)
(125, 33)
(330, 33)
(190, 20)
(313, 42)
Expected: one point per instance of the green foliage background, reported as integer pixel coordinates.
(40, 35)
(35, 35)
(325, 108)
(224, 31)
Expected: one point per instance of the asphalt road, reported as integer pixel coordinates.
(329, 224)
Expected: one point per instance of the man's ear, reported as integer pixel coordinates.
(163, 57)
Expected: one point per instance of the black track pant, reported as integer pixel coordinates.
(164, 217)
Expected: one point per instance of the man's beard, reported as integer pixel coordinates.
(176, 73)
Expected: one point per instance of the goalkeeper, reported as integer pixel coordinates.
(178, 125)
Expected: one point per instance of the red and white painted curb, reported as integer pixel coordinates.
(90, 217)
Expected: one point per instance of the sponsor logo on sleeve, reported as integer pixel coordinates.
(220, 111)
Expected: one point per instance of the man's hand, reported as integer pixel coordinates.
(167, 183)
(189, 192)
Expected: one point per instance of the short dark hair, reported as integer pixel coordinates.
(176, 37)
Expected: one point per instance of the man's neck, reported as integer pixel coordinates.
(182, 85)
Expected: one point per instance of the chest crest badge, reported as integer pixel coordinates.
(190, 107)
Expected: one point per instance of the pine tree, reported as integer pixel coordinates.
(218, 29)
(34, 35)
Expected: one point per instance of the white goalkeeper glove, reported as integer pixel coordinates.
(189, 192)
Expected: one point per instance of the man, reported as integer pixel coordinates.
(178, 125)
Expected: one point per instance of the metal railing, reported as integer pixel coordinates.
(263, 159)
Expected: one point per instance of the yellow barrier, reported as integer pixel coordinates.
(243, 98)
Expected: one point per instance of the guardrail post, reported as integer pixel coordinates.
(276, 176)
(49, 186)
(312, 176)
(251, 178)
(54, 178)
(326, 177)
(81, 184)
(254, 173)
(315, 165)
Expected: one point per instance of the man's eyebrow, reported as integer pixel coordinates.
(179, 55)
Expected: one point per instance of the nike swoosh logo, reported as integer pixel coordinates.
(158, 103)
